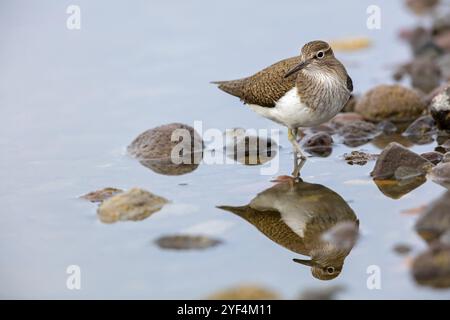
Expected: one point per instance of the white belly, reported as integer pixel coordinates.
(291, 112)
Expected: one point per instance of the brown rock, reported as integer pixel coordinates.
(402, 249)
(135, 205)
(433, 156)
(328, 293)
(440, 109)
(358, 157)
(390, 102)
(153, 148)
(432, 267)
(245, 292)
(357, 133)
(435, 221)
(421, 131)
(395, 156)
(441, 174)
(318, 144)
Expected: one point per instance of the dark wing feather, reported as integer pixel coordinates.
(265, 87)
(349, 84)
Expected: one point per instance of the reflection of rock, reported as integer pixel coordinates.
(402, 249)
(440, 109)
(441, 174)
(383, 140)
(245, 292)
(295, 216)
(432, 267)
(420, 7)
(153, 148)
(318, 144)
(357, 133)
(135, 204)
(186, 242)
(395, 189)
(101, 195)
(433, 156)
(251, 150)
(435, 221)
(421, 131)
(395, 156)
(344, 118)
(390, 102)
(328, 293)
(358, 157)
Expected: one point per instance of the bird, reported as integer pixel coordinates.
(301, 91)
(304, 218)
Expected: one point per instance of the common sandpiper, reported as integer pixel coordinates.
(302, 91)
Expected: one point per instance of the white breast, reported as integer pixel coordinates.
(292, 112)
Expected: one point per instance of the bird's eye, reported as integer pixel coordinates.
(320, 54)
(330, 270)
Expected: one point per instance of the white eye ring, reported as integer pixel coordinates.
(320, 54)
(330, 270)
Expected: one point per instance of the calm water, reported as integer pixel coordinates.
(72, 101)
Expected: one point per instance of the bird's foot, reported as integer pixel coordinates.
(292, 180)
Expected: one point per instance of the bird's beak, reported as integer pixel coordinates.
(297, 68)
(308, 263)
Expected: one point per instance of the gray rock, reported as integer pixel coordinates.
(421, 131)
(318, 144)
(441, 174)
(432, 267)
(358, 157)
(357, 133)
(435, 221)
(440, 109)
(135, 205)
(328, 293)
(433, 156)
(395, 156)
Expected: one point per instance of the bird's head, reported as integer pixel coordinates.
(314, 55)
(326, 261)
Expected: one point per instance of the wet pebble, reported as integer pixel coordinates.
(135, 205)
(390, 102)
(432, 267)
(435, 220)
(433, 156)
(358, 158)
(318, 144)
(245, 292)
(153, 148)
(421, 131)
(186, 242)
(101, 195)
(357, 133)
(395, 156)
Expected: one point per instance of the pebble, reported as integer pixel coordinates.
(135, 205)
(186, 242)
(358, 158)
(101, 195)
(318, 144)
(435, 220)
(357, 133)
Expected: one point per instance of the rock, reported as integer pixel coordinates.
(101, 195)
(387, 127)
(357, 133)
(358, 157)
(421, 7)
(446, 158)
(432, 267)
(153, 148)
(435, 221)
(318, 144)
(440, 109)
(390, 102)
(407, 173)
(433, 156)
(328, 293)
(135, 204)
(251, 150)
(342, 235)
(245, 292)
(395, 156)
(443, 63)
(440, 174)
(402, 249)
(425, 74)
(342, 119)
(186, 242)
(421, 131)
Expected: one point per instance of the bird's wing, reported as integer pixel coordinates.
(265, 87)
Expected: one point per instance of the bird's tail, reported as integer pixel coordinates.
(233, 87)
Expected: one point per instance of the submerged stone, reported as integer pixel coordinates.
(135, 205)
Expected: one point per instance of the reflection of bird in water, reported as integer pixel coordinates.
(296, 215)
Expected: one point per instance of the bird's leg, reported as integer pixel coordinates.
(292, 136)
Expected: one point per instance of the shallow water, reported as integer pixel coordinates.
(73, 100)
